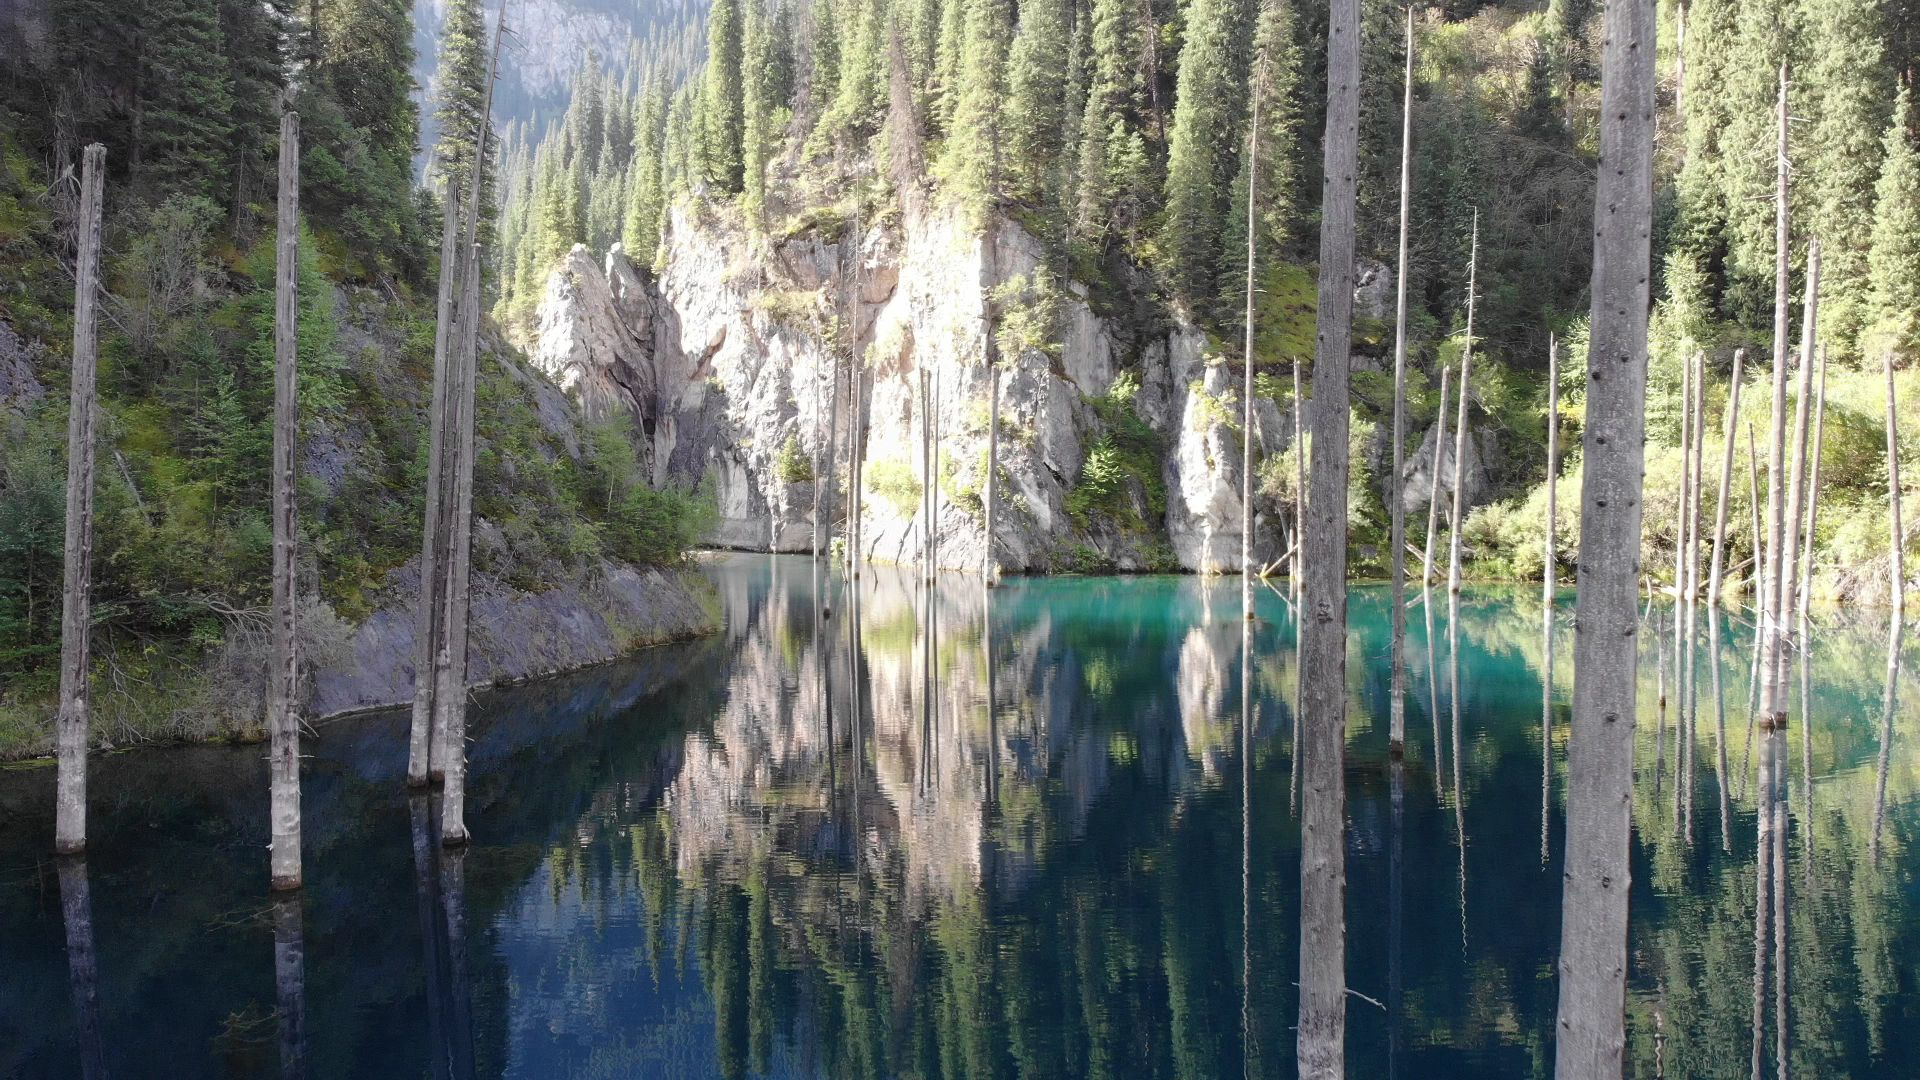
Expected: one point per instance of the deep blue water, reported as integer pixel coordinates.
(770, 854)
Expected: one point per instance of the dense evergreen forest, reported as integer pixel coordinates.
(1116, 132)
(185, 95)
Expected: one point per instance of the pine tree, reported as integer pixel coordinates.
(587, 112)
(1037, 101)
(1276, 82)
(824, 47)
(860, 96)
(945, 95)
(969, 164)
(1113, 156)
(723, 98)
(1750, 86)
(763, 98)
(253, 37)
(1202, 157)
(1893, 261)
(186, 101)
(460, 89)
(647, 190)
(1845, 88)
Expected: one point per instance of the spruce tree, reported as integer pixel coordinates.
(647, 191)
(762, 74)
(1113, 156)
(1202, 157)
(1845, 96)
(587, 112)
(1893, 260)
(945, 91)
(186, 98)
(860, 96)
(969, 164)
(824, 46)
(1276, 83)
(724, 100)
(1750, 85)
(1037, 101)
(460, 87)
(1697, 238)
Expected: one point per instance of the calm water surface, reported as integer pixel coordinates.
(774, 853)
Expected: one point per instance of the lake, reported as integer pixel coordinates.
(1028, 833)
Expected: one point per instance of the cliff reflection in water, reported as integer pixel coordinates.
(1026, 836)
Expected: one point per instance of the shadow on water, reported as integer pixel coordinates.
(1047, 833)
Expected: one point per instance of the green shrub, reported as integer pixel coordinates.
(896, 482)
(792, 464)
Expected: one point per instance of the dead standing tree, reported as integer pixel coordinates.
(1397, 721)
(429, 630)
(1726, 482)
(1591, 1032)
(1460, 427)
(283, 672)
(1321, 1048)
(451, 666)
(1772, 624)
(76, 615)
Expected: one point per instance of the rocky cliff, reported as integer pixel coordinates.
(728, 360)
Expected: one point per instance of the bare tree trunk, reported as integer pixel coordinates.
(989, 568)
(1460, 428)
(429, 629)
(1813, 487)
(1246, 393)
(1397, 723)
(1897, 538)
(1726, 483)
(1784, 602)
(819, 464)
(76, 601)
(1323, 618)
(1548, 557)
(1689, 674)
(1772, 625)
(283, 675)
(1296, 572)
(1759, 541)
(1686, 478)
(1762, 898)
(452, 688)
(1433, 485)
(1591, 1036)
(1889, 706)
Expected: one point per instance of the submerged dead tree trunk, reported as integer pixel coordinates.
(1591, 1034)
(429, 627)
(452, 675)
(1433, 483)
(1547, 583)
(1897, 537)
(1297, 571)
(76, 601)
(1397, 723)
(1726, 483)
(1772, 624)
(1460, 428)
(1246, 393)
(1785, 600)
(283, 674)
(1323, 619)
(1813, 487)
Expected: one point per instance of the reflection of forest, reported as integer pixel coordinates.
(779, 852)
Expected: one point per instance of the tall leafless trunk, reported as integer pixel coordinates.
(1686, 479)
(1460, 428)
(1726, 483)
(1772, 625)
(1397, 723)
(1759, 535)
(76, 600)
(1296, 574)
(1433, 485)
(1720, 730)
(1591, 1035)
(1897, 535)
(1323, 617)
(1889, 706)
(1549, 556)
(1788, 587)
(429, 628)
(1762, 898)
(989, 567)
(283, 674)
(451, 690)
(1813, 487)
(1246, 393)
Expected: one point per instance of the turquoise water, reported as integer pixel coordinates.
(770, 854)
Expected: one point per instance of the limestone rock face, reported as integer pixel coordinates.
(751, 357)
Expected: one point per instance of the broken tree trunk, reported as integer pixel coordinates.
(1460, 427)
(429, 629)
(283, 672)
(1726, 482)
(1813, 487)
(1322, 1026)
(1433, 482)
(1784, 600)
(1772, 625)
(1897, 537)
(1397, 722)
(76, 601)
(1591, 1034)
(452, 684)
